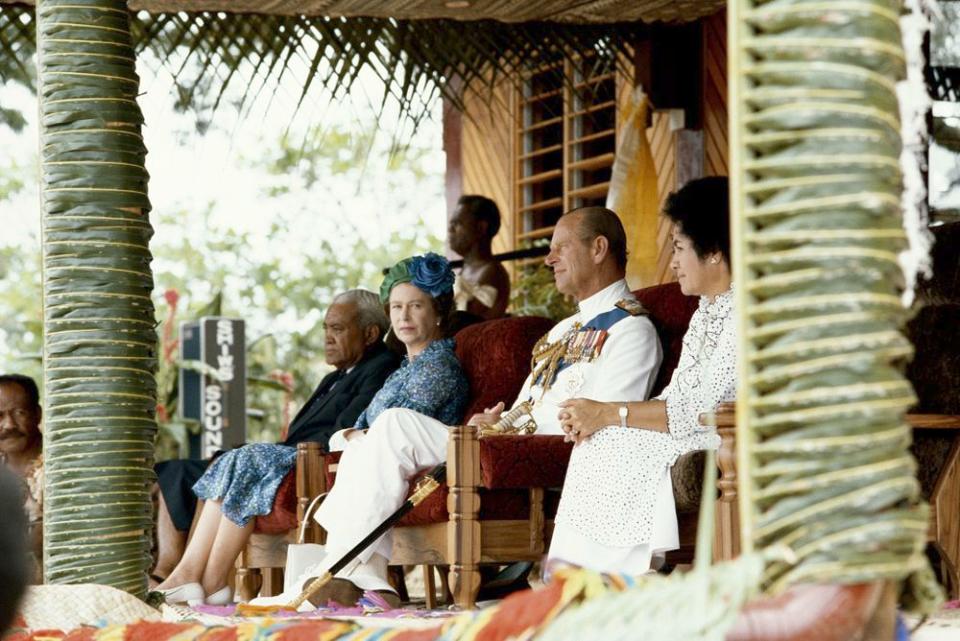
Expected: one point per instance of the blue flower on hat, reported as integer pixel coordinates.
(431, 273)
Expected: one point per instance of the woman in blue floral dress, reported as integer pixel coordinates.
(243, 483)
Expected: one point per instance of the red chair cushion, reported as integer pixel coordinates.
(495, 505)
(523, 461)
(670, 312)
(283, 517)
(495, 356)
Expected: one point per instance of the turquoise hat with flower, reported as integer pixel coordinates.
(431, 273)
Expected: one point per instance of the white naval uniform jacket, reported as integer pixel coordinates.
(615, 476)
(624, 371)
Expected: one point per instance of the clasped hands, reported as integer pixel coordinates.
(580, 418)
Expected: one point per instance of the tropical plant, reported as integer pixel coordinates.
(210, 54)
(533, 293)
(100, 343)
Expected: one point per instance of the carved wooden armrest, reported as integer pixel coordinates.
(727, 520)
(725, 416)
(311, 482)
(934, 421)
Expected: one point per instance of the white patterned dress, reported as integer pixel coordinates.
(617, 510)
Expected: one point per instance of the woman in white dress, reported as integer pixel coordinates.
(617, 512)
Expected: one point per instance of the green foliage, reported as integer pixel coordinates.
(21, 328)
(11, 178)
(534, 292)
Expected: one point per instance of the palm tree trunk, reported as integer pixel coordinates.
(99, 338)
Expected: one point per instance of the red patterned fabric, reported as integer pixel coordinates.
(332, 458)
(283, 518)
(495, 356)
(519, 461)
(495, 505)
(670, 312)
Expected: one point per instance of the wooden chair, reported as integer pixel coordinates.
(944, 532)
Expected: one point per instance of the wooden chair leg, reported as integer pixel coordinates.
(398, 580)
(447, 595)
(429, 586)
(248, 581)
(463, 504)
(272, 583)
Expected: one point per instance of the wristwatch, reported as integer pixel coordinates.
(623, 411)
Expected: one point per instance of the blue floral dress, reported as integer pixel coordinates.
(246, 479)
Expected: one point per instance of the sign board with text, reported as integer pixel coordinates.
(217, 397)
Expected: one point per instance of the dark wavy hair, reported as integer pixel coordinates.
(701, 211)
(26, 383)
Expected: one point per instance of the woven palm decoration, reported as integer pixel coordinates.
(99, 339)
(816, 187)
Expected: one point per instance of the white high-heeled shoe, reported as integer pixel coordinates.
(223, 596)
(186, 593)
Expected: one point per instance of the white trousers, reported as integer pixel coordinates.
(373, 478)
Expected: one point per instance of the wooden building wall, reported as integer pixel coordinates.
(715, 142)
(487, 152)
(672, 145)
(488, 149)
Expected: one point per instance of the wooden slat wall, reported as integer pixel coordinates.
(715, 143)
(662, 138)
(487, 156)
(488, 148)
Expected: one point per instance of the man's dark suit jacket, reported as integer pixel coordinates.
(327, 411)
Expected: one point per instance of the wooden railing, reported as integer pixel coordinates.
(944, 532)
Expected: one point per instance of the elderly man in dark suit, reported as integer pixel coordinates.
(354, 327)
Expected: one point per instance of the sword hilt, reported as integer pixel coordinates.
(505, 424)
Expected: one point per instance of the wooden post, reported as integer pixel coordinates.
(311, 482)
(463, 505)
(726, 543)
(537, 521)
(946, 518)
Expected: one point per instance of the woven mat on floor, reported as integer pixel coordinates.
(406, 619)
(65, 607)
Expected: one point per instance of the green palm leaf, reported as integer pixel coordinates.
(99, 353)
(823, 446)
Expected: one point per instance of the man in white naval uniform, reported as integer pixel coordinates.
(615, 361)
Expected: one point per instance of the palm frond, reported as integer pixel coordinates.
(211, 55)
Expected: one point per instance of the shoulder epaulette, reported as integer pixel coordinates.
(632, 307)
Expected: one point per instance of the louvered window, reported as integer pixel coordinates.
(566, 137)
